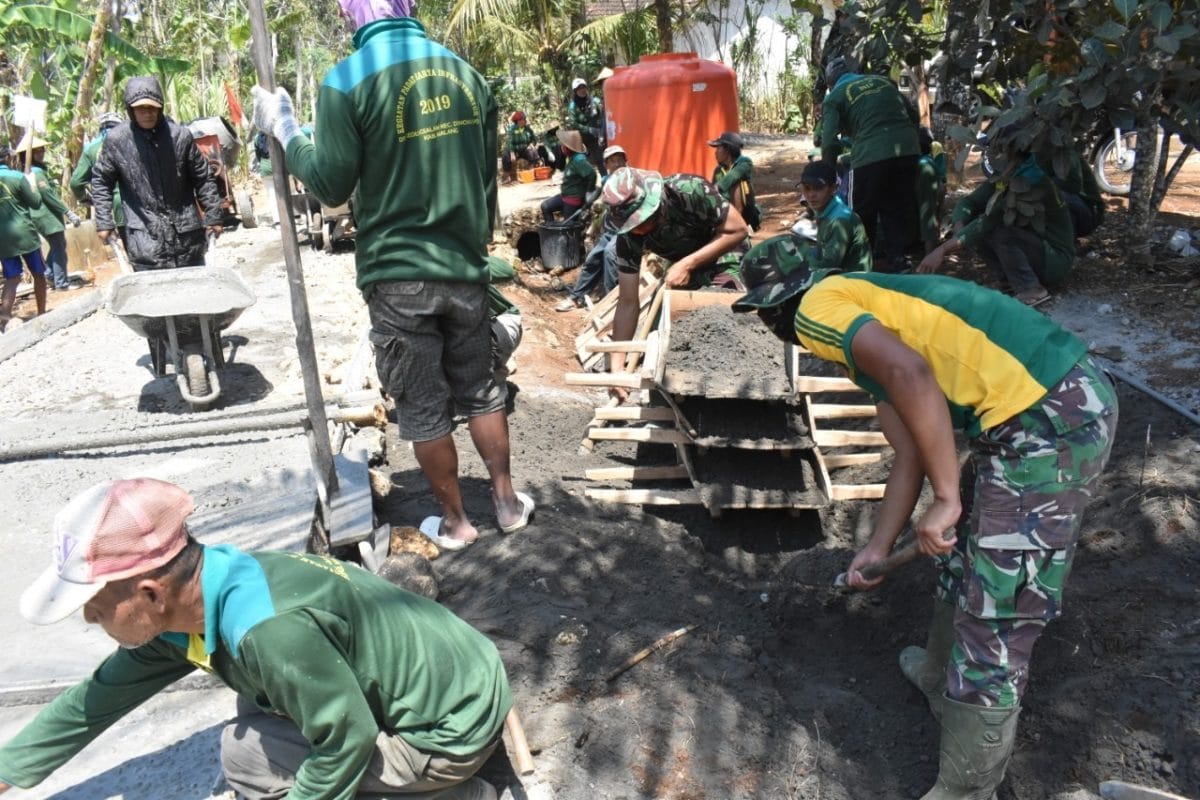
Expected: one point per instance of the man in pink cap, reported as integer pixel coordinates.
(410, 130)
(346, 683)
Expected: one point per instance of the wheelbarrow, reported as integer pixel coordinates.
(182, 313)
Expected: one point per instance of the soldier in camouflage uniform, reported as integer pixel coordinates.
(940, 354)
(682, 218)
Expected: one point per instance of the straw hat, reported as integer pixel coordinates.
(24, 144)
(572, 140)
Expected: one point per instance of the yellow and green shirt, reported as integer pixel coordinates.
(992, 356)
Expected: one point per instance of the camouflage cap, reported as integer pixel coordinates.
(775, 271)
(633, 195)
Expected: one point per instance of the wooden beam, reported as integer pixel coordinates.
(849, 438)
(615, 347)
(684, 301)
(652, 435)
(835, 460)
(646, 497)
(870, 491)
(636, 473)
(839, 411)
(811, 385)
(635, 414)
(627, 380)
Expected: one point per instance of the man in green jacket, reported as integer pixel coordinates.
(410, 129)
(19, 243)
(579, 178)
(841, 239)
(734, 176)
(49, 219)
(883, 126)
(1035, 250)
(346, 683)
(81, 178)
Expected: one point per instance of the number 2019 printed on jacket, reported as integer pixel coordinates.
(407, 129)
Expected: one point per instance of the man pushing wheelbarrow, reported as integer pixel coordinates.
(162, 174)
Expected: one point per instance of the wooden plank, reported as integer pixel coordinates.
(615, 347)
(823, 481)
(871, 491)
(636, 473)
(646, 497)
(838, 411)
(849, 438)
(628, 380)
(835, 460)
(684, 301)
(652, 435)
(810, 384)
(635, 413)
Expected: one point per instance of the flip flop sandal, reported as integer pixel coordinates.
(1032, 299)
(432, 528)
(526, 512)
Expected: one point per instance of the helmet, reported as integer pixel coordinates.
(517, 116)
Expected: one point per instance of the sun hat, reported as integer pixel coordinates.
(819, 173)
(114, 530)
(25, 143)
(633, 195)
(613, 150)
(728, 139)
(361, 12)
(775, 271)
(575, 84)
(604, 74)
(572, 140)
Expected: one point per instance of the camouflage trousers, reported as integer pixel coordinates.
(1025, 487)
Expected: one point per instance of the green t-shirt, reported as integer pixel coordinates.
(870, 110)
(18, 200)
(579, 177)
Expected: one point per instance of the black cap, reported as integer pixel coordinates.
(819, 173)
(729, 139)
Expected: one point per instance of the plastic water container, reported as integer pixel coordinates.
(561, 244)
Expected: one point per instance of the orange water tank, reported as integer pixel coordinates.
(664, 109)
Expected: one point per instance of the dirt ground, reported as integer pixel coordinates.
(787, 688)
(790, 690)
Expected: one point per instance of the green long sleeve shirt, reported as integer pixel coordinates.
(18, 235)
(49, 218)
(1058, 239)
(81, 179)
(842, 242)
(870, 110)
(579, 177)
(409, 129)
(341, 652)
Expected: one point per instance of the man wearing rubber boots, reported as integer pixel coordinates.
(940, 354)
(410, 129)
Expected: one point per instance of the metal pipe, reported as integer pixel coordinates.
(1145, 389)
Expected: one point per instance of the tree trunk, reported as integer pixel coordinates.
(110, 71)
(83, 100)
(1141, 190)
(299, 75)
(662, 20)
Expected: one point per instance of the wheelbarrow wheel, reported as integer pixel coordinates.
(197, 378)
(245, 207)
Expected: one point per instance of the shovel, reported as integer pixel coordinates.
(122, 257)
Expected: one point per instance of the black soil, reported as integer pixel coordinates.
(786, 688)
(718, 354)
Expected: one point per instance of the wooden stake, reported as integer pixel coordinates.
(645, 652)
(516, 733)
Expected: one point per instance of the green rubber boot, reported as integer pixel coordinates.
(976, 745)
(925, 667)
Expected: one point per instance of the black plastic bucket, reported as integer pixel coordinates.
(561, 243)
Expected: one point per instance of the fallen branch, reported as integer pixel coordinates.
(642, 654)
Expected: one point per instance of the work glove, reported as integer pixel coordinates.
(273, 113)
(31, 179)
(73, 218)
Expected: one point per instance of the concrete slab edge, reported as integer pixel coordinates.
(29, 334)
(34, 695)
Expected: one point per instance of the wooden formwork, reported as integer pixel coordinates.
(808, 453)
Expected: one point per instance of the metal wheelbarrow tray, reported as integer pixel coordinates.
(182, 312)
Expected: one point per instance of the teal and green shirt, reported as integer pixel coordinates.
(409, 129)
(339, 651)
(587, 116)
(992, 356)
(841, 239)
(741, 171)
(18, 201)
(81, 178)
(871, 110)
(520, 138)
(49, 218)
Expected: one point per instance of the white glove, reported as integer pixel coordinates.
(273, 113)
(31, 179)
(73, 218)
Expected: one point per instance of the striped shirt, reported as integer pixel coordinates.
(991, 356)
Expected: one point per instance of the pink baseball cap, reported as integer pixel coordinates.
(112, 531)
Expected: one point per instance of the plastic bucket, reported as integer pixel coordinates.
(561, 244)
(542, 173)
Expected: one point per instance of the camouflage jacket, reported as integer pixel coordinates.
(693, 211)
(587, 117)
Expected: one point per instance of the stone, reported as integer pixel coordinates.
(412, 572)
